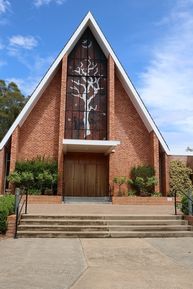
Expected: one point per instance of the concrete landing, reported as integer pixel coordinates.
(102, 209)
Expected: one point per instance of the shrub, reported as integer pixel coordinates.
(143, 180)
(131, 193)
(7, 204)
(14, 178)
(180, 181)
(184, 204)
(38, 174)
(34, 191)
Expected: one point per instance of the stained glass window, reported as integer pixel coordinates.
(86, 103)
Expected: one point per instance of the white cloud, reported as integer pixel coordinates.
(167, 82)
(37, 67)
(26, 85)
(4, 6)
(39, 3)
(19, 41)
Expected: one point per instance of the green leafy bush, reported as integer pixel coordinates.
(180, 181)
(143, 180)
(14, 178)
(184, 205)
(7, 204)
(131, 193)
(34, 191)
(35, 175)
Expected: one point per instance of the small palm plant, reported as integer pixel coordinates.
(119, 181)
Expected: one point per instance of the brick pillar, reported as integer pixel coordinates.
(2, 170)
(111, 98)
(62, 125)
(165, 181)
(111, 112)
(11, 226)
(14, 149)
(155, 158)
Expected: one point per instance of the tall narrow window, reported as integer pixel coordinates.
(86, 105)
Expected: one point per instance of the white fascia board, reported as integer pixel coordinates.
(108, 143)
(181, 154)
(136, 100)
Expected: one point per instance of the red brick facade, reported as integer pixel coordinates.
(2, 169)
(42, 132)
(39, 133)
(62, 125)
(135, 147)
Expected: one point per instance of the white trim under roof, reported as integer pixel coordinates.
(88, 21)
(90, 146)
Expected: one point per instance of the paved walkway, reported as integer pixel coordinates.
(96, 263)
(82, 209)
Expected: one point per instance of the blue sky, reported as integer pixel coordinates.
(153, 40)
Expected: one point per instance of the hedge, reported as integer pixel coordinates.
(7, 204)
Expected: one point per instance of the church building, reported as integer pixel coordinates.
(86, 114)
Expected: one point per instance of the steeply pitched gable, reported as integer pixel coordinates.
(90, 22)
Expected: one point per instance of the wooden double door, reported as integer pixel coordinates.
(85, 175)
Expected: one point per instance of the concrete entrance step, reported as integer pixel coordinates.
(96, 222)
(108, 228)
(103, 217)
(124, 234)
(94, 200)
(103, 226)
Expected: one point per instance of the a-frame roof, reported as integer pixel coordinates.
(90, 22)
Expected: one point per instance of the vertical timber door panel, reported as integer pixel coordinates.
(69, 176)
(86, 175)
(79, 179)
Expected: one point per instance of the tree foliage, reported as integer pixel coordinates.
(180, 178)
(11, 103)
(143, 180)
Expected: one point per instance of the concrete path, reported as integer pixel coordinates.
(137, 264)
(40, 263)
(88, 208)
(96, 263)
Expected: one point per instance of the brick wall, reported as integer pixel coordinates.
(164, 159)
(39, 133)
(43, 130)
(62, 125)
(14, 148)
(10, 233)
(135, 148)
(2, 170)
(155, 158)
